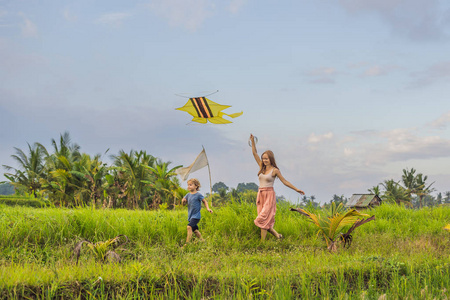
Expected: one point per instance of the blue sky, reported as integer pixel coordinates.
(346, 93)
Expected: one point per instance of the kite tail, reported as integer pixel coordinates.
(235, 115)
(218, 120)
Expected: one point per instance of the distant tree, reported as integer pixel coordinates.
(219, 185)
(134, 169)
(409, 180)
(416, 185)
(439, 199)
(422, 189)
(220, 197)
(6, 189)
(164, 183)
(309, 203)
(223, 193)
(447, 197)
(61, 182)
(247, 186)
(281, 199)
(235, 194)
(429, 201)
(31, 168)
(375, 190)
(339, 199)
(395, 193)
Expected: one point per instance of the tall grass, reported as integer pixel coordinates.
(403, 253)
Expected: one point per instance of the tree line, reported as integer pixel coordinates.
(70, 178)
(67, 177)
(412, 190)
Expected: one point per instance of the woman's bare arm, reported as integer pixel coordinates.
(255, 153)
(277, 173)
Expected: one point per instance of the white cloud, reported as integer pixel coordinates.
(189, 14)
(29, 29)
(401, 145)
(113, 19)
(314, 139)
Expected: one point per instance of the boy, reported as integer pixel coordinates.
(194, 200)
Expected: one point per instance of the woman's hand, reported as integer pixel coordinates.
(252, 138)
(300, 191)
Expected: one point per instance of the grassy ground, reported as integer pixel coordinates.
(403, 254)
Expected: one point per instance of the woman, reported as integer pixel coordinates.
(266, 199)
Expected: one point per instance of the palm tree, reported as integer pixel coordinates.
(331, 226)
(395, 193)
(409, 180)
(337, 199)
(61, 181)
(422, 189)
(115, 189)
(132, 168)
(375, 190)
(164, 182)
(66, 148)
(91, 173)
(308, 202)
(31, 168)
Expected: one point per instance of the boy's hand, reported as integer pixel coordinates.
(183, 201)
(210, 210)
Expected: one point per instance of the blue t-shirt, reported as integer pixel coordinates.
(194, 205)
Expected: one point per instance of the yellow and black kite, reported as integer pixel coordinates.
(203, 110)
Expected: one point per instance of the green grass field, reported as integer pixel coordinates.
(403, 254)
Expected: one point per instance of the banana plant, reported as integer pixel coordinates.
(332, 226)
(103, 250)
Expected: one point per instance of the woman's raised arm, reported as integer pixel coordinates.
(255, 153)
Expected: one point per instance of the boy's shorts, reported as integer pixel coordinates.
(193, 223)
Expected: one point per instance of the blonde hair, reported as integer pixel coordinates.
(195, 182)
(271, 159)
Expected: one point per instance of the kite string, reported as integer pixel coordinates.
(194, 97)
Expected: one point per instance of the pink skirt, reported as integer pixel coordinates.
(266, 204)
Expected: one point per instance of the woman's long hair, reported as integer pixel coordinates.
(271, 159)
